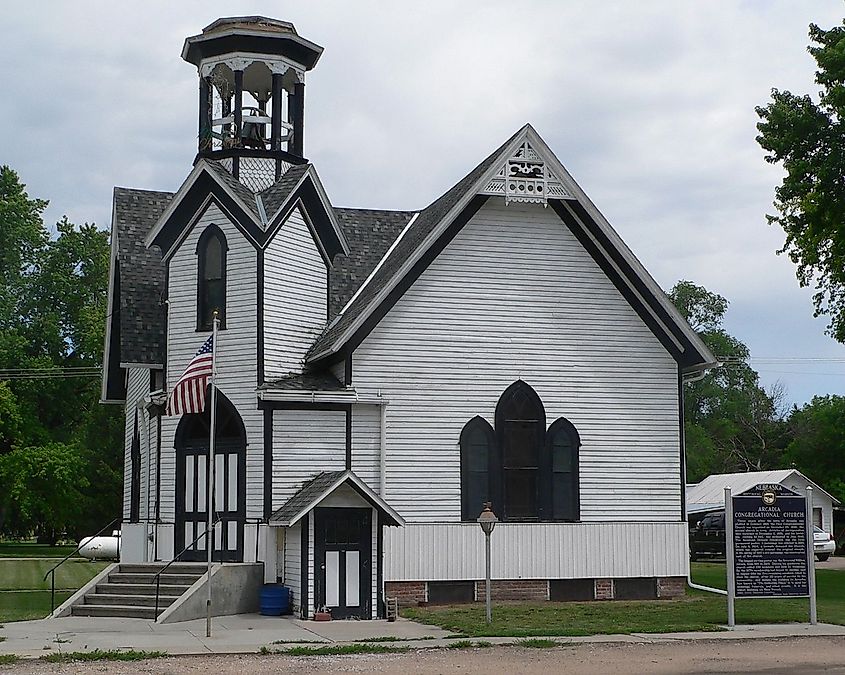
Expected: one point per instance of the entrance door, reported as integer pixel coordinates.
(343, 561)
(192, 439)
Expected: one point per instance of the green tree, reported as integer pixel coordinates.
(52, 315)
(44, 488)
(817, 448)
(731, 423)
(808, 138)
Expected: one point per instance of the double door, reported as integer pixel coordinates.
(343, 561)
(192, 502)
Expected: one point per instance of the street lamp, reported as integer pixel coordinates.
(488, 521)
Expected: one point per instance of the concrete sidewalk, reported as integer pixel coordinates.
(249, 633)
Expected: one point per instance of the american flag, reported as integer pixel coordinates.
(188, 396)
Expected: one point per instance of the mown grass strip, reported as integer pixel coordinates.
(341, 650)
(8, 659)
(101, 655)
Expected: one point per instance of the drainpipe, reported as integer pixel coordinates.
(382, 448)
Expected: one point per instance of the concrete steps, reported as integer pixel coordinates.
(130, 590)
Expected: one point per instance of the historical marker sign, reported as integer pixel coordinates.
(770, 543)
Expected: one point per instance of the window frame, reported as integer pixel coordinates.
(561, 424)
(212, 231)
(470, 513)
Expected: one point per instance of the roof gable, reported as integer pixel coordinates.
(257, 215)
(523, 169)
(709, 494)
(321, 486)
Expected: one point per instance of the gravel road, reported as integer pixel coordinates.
(792, 656)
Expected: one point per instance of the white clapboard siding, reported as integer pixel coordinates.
(137, 387)
(305, 442)
(514, 295)
(365, 443)
(294, 297)
(426, 552)
(235, 350)
(293, 563)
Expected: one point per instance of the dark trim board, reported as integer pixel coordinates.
(303, 561)
(407, 281)
(301, 405)
(268, 462)
(380, 608)
(348, 412)
(243, 153)
(682, 442)
(580, 223)
(259, 318)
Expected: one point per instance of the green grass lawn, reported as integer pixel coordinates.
(25, 605)
(25, 595)
(698, 611)
(17, 549)
(29, 574)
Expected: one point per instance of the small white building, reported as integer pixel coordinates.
(382, 374)
(709, 494)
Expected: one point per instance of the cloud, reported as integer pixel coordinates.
(650, 105)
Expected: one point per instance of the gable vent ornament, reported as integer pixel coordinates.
(526, 178)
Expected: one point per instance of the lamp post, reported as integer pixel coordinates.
(488, 521)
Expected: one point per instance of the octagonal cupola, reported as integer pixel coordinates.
(251, 95)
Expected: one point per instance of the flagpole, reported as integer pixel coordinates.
(209, 537)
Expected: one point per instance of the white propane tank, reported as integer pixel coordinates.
(101, 548)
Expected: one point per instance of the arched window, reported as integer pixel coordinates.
(527, 472)
(477, 467)
(562, 444)
(211, 277)
(520, 428)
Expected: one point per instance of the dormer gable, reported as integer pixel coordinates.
(257, 215)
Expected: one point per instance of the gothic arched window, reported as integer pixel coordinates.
(562, 444)
(527, 472)
(211, 277)
(477, 466)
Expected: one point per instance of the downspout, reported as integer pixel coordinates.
(690, 583)
(382, 448)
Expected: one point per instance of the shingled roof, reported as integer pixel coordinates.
(274, 196)
(413, 238)
(370, 233)
(141, 303)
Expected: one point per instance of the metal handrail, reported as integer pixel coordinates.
(65, 559)
(178, 555)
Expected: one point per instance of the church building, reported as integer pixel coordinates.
(381, 375)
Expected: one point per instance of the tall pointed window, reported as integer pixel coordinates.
(562, 444)
(520, 425)
(211, 277)
(529, 473)
(477, 455)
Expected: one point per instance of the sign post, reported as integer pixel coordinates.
(769, 546)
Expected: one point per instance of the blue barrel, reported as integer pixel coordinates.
(275, 600)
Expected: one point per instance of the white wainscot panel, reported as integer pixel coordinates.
(442, 551)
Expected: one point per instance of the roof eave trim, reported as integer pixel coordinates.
(626, 253)
(327, 205)
(109, 303)
(362, 487)
(435, 233)
(202, 165)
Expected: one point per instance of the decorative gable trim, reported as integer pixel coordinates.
(534, 164)
(526, 177)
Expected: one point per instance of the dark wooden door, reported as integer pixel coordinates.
(343, 561)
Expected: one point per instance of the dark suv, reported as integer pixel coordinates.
(708, 537)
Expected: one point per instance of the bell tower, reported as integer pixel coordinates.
(251, 95)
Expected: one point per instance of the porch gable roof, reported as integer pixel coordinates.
(321, 486)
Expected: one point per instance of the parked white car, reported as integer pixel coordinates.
(823, 544)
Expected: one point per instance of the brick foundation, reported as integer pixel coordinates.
(671, 587)
(604, 589)
(514, 589)
(408, 593)
(412, 593)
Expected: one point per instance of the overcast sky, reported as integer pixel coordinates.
(650, 105)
